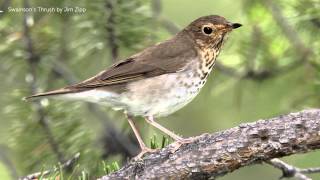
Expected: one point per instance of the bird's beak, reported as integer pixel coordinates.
(234, 25)
(230, 26)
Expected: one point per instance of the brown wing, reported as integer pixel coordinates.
(167, 57)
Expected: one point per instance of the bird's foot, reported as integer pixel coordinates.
(144, 150)
(177, 144)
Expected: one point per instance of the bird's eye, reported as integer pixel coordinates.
(207, 30)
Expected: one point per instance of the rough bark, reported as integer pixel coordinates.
(213, 155)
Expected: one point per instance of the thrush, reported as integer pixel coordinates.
(160, 79)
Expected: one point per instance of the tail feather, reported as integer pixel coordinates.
(49, 93)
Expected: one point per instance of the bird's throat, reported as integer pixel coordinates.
(207, 60)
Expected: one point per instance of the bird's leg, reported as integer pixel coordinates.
(151, 121)
(144, 148)
(178, 140)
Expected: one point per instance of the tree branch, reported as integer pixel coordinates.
(171, 27)
(213, 155)
(111, 31)
(289, 171)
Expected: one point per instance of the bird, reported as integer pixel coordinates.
(159, 80)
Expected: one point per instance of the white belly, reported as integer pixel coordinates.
(162, 95)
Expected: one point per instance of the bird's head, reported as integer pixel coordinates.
(210, 31)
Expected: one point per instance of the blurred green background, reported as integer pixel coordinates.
(270, 66)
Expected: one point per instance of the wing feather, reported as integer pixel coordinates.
(167, 57)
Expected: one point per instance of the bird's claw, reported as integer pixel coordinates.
(177, 144)
(144, 151)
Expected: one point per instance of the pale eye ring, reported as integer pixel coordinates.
(207, 30)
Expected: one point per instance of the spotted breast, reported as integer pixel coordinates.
(170, 92)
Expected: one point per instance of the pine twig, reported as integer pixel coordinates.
(66, 165)
(33, 59)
